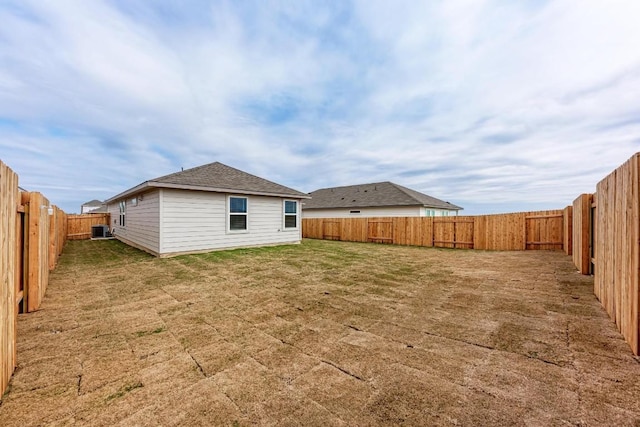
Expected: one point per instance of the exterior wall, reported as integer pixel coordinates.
(195, 221)
(395, 211)
(87, 208)
(142, 222)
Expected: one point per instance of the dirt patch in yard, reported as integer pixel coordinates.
(323, 333)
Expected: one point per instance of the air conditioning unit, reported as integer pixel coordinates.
(100, 231)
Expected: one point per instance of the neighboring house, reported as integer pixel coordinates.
(374, 200)
(206, 208)
(94, 206)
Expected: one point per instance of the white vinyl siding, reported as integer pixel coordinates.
(197, 221)
(364, 212)
(393, 211)
(141, 221)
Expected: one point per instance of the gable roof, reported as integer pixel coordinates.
(216, 177)
(377, 194)
(93, 202)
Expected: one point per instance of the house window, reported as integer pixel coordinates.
(290, 214)
(238, 214)
(134, 201)
(123, 210)
(430, 212)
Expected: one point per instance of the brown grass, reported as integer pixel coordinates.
(323, 333)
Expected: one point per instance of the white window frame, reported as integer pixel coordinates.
(229, 213)
(122, 207)
(285, 214)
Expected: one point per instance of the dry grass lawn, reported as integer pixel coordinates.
(323, 333)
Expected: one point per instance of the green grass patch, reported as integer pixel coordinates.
(155, 331)
(124, 390)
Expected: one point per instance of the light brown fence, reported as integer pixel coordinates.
(617, 248)
(516, 231)
(79, 226)
(568, 230)
(9, 198)
(32, 235)
(582, 236)
(44, 237)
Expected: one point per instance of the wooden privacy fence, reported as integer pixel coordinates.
(79, 226)
(32, 235)
(9, 201)
(615, 253)
(582, 232)
(516, 231)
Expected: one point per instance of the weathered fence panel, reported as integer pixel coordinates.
(617, 248)
(9, 201)
(582, 236)
(79, 226)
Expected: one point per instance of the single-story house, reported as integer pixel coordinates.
(206, 208)
(93, 206)
(380, 199)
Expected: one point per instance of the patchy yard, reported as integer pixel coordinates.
(323, 333)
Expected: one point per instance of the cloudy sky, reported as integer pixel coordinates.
(496, 106)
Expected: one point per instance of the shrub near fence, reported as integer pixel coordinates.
(515, 231)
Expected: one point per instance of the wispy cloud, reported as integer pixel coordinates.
(491, 105)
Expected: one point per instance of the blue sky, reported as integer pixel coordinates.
(496, 106)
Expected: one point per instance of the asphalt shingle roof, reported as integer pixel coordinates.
(216, 177)
(93, 202)
(377, 194)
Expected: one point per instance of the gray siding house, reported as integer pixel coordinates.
(379, 199)
(93, 206)
(206, 208)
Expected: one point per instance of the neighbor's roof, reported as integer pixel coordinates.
(216, 177)
(101, 209)
(93, 202)
(378, 194)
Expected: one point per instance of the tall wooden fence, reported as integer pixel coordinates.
(79, 226)
(616, 248)
(9, 201)
(516, 231)
(43, 237)
(582, 232)
(32, 235)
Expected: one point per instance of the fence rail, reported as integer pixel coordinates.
(516, 231)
